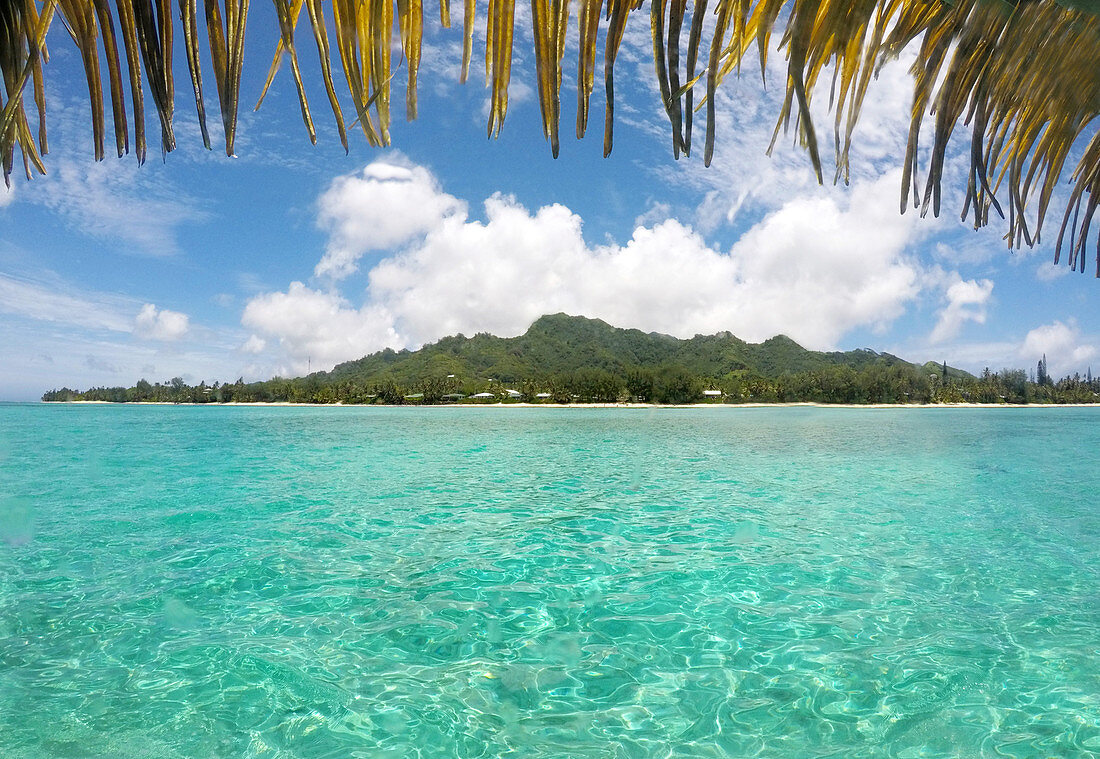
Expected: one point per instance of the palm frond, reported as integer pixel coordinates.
(1022, 76)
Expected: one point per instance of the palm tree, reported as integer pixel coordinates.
(1023, 76)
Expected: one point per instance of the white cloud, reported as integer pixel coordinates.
(133, 209)
(381, 207)
(744, 182)
(519, 92)
(160, 324)
(121, 202)
(657, 212)
(55, 333)
(7, 194)
(317, 327)
(817, 268)
(116, 358)
(972, 249)
(744, 179)
(814, 269)
(501, 275)
(99, 366)
(53, 301)
(966, 301)
(254, 345)
(1066, 349)
(1048, 271)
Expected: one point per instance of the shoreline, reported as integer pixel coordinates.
(629, 406)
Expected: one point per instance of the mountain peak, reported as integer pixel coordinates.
(558, 344)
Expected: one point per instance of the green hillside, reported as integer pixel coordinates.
(560, 343)
(567, 359)
(952, 373)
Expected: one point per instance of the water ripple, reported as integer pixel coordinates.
(468, 583)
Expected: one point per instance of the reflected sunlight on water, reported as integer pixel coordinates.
(585, 583)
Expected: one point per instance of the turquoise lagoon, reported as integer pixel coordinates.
(465, 582)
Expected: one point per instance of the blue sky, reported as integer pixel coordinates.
(293, 256)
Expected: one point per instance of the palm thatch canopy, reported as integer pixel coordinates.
(1024, 76)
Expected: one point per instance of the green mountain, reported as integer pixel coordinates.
(931, 367)
(563, 359)
(559, 344)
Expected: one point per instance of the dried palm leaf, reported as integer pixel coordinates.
(1021, 76)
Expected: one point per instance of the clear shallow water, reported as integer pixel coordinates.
(337, 582)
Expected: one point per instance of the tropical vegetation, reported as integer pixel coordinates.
(1022, 76)
(567, 359)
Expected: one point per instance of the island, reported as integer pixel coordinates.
(564, 359)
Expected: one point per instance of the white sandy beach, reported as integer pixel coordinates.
(731, 406)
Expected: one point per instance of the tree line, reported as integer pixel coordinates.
(670, 384)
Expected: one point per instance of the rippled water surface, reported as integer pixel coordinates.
(457, 582)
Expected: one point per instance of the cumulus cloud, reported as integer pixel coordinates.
(966, 300)
(814, 269)
(820, 266)
(384, 206)
(160, 324)
(1066, 349)
(501, 275)
(254, 345)
(324, 327)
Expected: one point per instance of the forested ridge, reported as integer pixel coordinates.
(563, 359)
